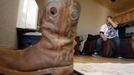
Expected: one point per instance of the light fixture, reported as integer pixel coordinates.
(113, 0)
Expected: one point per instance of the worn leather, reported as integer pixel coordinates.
(56, 48)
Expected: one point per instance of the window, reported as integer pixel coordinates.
(27, 14)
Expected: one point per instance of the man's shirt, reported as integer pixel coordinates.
(109, 31)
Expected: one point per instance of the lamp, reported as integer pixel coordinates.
(113, 0)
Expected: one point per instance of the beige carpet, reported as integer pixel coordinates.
(105, 68)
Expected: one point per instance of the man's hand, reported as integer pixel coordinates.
(109, 19)
(103, 37)
(114, 24)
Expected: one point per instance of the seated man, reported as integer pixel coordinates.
(109, 31)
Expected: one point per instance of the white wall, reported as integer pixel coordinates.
(13, 15)
(92, 17)
(8, 18)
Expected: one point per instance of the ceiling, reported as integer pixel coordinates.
(118, 5)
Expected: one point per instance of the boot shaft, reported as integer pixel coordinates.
(59, 20)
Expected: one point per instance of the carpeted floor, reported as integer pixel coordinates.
(104, 68)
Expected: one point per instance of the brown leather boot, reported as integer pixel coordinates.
(54, 52)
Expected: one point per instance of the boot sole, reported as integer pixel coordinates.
(66, 70)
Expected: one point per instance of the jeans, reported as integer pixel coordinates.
(116, 41)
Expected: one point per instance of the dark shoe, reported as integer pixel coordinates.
(95, 54)
(119, 57)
